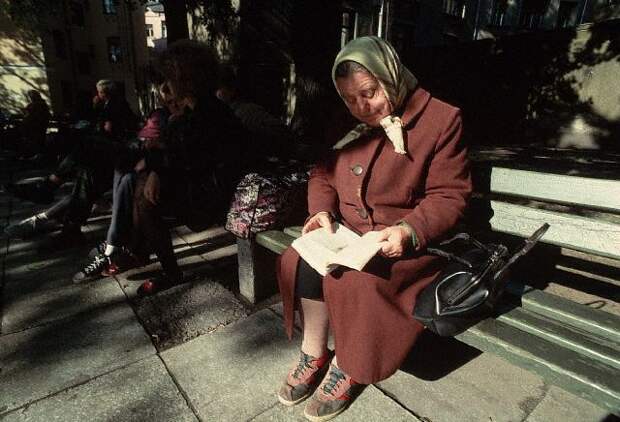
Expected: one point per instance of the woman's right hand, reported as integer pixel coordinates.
(318, 220)
(140, 166)
(151, 188)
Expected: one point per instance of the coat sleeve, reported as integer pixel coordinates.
(322, 195)
(447, 188)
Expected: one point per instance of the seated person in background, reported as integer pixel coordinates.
(113, 255)
(74, 209)
(270, 138)
(34, 125)
(113, 116)
(403, 172)
(96, 151)
(203, 157)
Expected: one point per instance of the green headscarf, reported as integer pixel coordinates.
(382, 61)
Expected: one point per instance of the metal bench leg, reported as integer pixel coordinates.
(257, 277)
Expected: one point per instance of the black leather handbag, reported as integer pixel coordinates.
(468, 289)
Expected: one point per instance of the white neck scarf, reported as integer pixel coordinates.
(392, 126)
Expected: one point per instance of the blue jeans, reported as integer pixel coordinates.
(119, 232)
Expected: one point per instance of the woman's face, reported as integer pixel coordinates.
(364, 97)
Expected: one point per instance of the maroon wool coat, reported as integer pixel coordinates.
(370, 311)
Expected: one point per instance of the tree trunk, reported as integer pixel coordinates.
(176, 20)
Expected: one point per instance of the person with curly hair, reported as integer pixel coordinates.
(193, 175)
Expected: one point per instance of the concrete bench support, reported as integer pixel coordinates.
(257, 278)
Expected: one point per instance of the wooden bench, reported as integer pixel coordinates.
(569, 344)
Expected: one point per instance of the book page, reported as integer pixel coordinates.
(324, 251)
(357, 254)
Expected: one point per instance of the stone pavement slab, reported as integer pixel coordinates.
(185, 312)
(44, 360)
(560, 405)
(448, 381)
(142, 391)
(196, 307)
(24, 310)
(215, 235)
(234, 374)
(371, 406)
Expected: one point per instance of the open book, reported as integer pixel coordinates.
(324, 251)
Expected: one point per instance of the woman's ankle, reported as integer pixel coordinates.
(316, 351)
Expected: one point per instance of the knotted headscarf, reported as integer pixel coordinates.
(381, 60)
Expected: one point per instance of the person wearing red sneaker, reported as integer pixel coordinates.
(403, 172)
(193, 175)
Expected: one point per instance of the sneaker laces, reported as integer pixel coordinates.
(302, 365)
(335, 377)
(101, 247)
(96, 265)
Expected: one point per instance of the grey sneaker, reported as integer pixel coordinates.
(28, 227)
(332, 397)
(303, 378)
(93, 270)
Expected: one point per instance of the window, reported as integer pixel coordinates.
(567, 14)
(498, 12)
(115, 52)
(109, 7)
(77, 13)
(454, 8)
(348, 32)
(149, 30)
(83, 63)
(164, 31)
(59, 44)
(532, 12)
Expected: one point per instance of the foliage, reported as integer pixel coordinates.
(30, 14)
(219, 16)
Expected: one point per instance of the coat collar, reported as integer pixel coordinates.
(414, 106)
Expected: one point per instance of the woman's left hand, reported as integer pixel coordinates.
(394, 240)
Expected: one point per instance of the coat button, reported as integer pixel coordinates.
(357, 170)
(362, 213)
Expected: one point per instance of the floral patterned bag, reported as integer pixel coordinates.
(266, 201)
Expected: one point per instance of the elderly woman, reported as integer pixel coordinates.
(403, 172)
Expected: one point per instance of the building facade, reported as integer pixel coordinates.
(81, 42)
(155, 26)
(435, 22)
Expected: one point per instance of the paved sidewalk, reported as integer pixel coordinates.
(96, 352)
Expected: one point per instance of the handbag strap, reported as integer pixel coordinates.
(450, 256)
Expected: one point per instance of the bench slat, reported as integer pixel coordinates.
(588, 378)
(274, 240)
(601, 323)
(573, 232)
(566, 336)
(572, 190)
(294, 231)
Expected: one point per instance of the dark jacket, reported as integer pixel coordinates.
(118, 112)
(204, 156)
